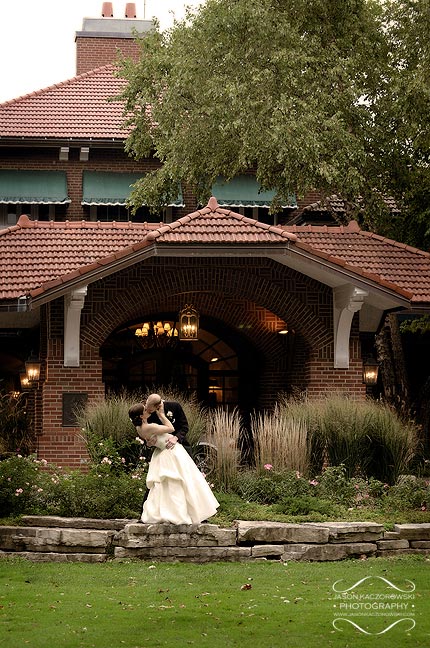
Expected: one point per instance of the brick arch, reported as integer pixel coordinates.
(250, 296)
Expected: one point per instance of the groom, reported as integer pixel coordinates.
(174, 412)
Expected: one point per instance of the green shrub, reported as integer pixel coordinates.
(271, 487)
(409, 492)
(334, 484)
(368, 438)
(305, 505)
(393, 443)
(343, 433)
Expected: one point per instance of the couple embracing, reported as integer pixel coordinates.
(178, 492)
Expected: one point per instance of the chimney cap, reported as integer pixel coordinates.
(130, 10)
(107, 10)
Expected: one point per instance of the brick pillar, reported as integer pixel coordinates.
(59, 443)
(324, 380)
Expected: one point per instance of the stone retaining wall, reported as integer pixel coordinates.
(85, 540)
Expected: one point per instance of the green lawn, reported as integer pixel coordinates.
(135, 604)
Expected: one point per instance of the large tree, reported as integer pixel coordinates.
(402, 116)
(325, 94)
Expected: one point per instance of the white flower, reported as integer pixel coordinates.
(169, 414)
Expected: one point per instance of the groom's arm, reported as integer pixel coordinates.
(181, 424)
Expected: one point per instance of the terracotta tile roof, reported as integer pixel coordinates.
(369, 254)
(215, 224)
(337, 205)
(330, 204)
(72, 249)
(35, 252)
(77, 108)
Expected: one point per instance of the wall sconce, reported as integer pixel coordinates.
(188, 323)
(24, 381)
(32, 368)
(370, 371)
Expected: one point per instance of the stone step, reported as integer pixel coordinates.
(63, 539)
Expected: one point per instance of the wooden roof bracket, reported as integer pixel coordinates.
(347, 300)
(73, 304)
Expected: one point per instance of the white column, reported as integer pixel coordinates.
(73, 304)
(347, 300)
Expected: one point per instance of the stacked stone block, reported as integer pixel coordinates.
(86, 540)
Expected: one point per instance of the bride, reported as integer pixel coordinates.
(178, 492)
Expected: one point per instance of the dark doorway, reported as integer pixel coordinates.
(222, 368)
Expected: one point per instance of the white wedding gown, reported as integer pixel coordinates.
(178, 492)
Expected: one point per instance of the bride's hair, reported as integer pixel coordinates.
(135, 413)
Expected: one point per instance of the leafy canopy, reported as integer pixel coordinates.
(326, 94)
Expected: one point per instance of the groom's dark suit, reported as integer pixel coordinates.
(176, 415)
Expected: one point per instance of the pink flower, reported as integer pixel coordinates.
(313, 482)
(18, 492)
(268, 466)
(424, 508)
(122, 460)
(298, 475)
(106, 460)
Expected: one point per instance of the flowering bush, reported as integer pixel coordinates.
(32, 487)
(18, 476)
(409, 492)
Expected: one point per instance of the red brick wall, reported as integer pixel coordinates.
(94, 52)
(245, 294)
(99, 160)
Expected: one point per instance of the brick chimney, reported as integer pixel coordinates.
(100, 38)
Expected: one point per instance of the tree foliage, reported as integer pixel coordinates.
(326, 94)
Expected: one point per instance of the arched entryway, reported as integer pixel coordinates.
(222, 367)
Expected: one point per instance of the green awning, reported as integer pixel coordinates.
(33, 187)
(244, 191)
(108, 188)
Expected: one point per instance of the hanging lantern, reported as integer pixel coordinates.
(188, 323)
(32, 368)
(370, 371)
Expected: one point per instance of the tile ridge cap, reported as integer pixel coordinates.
(59, 84)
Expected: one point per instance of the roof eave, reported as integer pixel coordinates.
(53, 142)
(146, 249)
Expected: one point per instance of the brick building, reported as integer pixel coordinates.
(95, 293)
